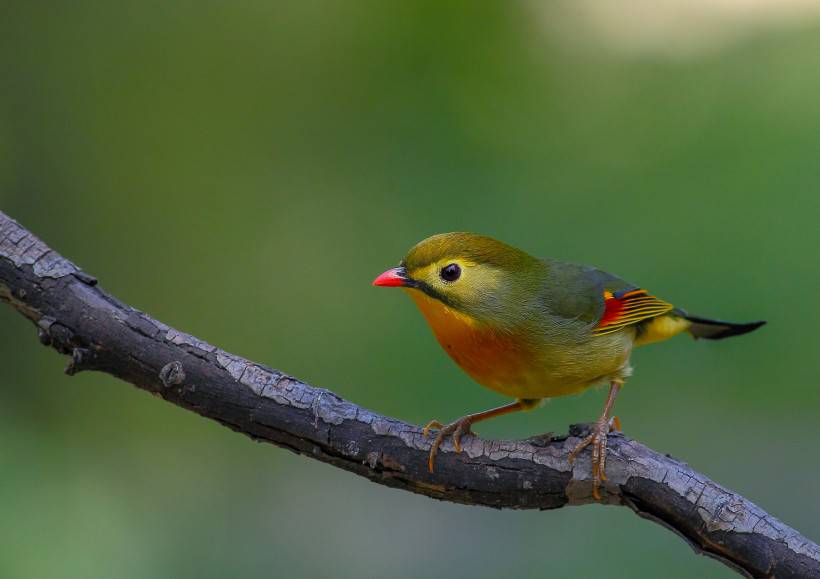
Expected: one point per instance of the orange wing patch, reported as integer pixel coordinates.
(624, 309)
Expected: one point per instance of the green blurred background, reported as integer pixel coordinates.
(243, 170)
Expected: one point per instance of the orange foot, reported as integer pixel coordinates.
(457, 429)
(598, 439)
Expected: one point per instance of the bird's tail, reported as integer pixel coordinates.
(717, 329)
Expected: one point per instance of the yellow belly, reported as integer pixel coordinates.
(509, 365)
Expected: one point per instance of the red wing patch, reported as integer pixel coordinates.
(624, 309)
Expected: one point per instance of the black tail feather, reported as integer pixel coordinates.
(717, 329)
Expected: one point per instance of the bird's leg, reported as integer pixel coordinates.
(598, 439)
(462, 426)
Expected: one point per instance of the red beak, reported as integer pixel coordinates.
(395, 277)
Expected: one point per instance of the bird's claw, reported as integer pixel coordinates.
(455, 429)
(598, 440)
(431, 425)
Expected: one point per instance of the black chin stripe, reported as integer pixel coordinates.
(430, 291)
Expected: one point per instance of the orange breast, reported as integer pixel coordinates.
(494, 359)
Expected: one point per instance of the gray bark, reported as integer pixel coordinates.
(76, 317)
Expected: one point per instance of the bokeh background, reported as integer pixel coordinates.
(242, 171)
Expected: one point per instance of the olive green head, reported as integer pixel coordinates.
(474, 274)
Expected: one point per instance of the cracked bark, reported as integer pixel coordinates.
(73, 315)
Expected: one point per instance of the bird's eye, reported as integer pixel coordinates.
(450, 272)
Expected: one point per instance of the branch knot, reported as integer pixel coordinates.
(172, 374)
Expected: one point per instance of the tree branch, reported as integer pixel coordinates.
(78, 319)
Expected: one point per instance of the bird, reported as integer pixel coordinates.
(534, 329)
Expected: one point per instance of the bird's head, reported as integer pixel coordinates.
(472, 274)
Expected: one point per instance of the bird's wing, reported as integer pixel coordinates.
(606, 302)
(628, 307)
